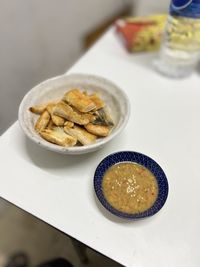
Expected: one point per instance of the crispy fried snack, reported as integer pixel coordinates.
(99, 130)
(69, 124)
(81, 134)
(78, 117)
(57, 120)
(42, 122)
(50, 125)
(62, 109)
(97, 101)
(58, 136)
(79, 100)
(39, 109)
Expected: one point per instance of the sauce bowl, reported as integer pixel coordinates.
(132, 157)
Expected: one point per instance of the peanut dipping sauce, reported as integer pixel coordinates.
(130, 187)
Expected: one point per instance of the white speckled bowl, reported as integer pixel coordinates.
(54, 88)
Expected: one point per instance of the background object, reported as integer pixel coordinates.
(180, 49)
(141, 33)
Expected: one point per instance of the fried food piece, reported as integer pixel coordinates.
(63, 110)
(81, 134)
(50, 124)
(97, 101)
(42, 121)
(58, 136)
(103, 118)
(79, 100)
(99, 130)
(69, 124)
(60, 121)
(89, 116)
(57, 120)
(50, 108)
(38, 109)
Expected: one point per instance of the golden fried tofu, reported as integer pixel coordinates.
(38, 109)
(78, 117)
(97, 101)
(58, 136)
(57, 120)
(50, 124)
(69, 124)
(99, 130)
(42, 121)
(81, 134)
(79, 100)
(89, 116)
(50, 107)
(63, 110)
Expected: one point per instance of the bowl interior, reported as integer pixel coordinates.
(53, 89)
(129, 156)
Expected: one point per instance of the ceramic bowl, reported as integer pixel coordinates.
(135, 157)
(54, 88)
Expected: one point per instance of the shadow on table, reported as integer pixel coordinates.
(57, 164)
(119, 220)
(47, 159)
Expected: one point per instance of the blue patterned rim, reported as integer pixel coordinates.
(129, 156)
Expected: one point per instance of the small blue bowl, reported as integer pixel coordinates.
(150, 164)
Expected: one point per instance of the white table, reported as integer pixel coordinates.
(164, 124)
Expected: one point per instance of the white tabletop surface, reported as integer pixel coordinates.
(164, 124)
